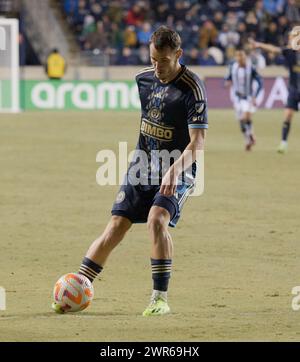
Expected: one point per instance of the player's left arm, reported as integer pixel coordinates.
(189, 155)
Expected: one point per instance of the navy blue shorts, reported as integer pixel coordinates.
(135, 202)
(293, 100)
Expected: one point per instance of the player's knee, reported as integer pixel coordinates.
(118, 227)
(156, 223)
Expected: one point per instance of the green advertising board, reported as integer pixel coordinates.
(79, 95)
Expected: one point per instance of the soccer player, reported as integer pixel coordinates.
(173, 117)
(241, 76)
(292, 62)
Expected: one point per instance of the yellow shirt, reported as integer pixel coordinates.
(55, 66)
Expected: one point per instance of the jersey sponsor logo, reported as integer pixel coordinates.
(156, 131)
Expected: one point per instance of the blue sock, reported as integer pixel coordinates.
(89, 269)
(161, 272)
(285, 130)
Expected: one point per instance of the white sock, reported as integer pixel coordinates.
(160, 294)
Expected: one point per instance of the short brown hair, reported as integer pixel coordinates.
(165, 37)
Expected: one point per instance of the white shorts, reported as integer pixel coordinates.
(243, 106)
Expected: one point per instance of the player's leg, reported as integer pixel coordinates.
(161, 259)
(92, 264)
(239, 116)
(243, 117)
(288, 116)
(100, 249)
(250, 137)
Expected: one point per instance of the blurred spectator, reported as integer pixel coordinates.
(144, 33)
(80, 12)
(208, 35)
(231, 20)
(55, 65)
(192, 57)
(135, 16)
(271, 34)
(242, 32)
(218, 20)
(130, 37)
(292, 11)
(206, 59)
(251, 23)
(234, 5)
(161, 12)
(89, 25)
(192, 15)
(128, 57)
(116, 37)
(228, 38)
(97, 39)
(261, 17)
(115, 11)
(202, 24)
(283, 24)
(274, 7)
(180, 10)
(96, 11)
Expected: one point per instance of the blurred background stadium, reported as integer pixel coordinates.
(96, 38)
(119, 30)
(236, 272)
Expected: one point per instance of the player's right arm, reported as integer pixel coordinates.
(264, 46)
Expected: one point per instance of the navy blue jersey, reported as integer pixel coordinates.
(292, 62)
(168, 111)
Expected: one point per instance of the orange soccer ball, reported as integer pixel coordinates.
(73, 292)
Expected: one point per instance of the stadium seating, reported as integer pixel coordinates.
(122, 28)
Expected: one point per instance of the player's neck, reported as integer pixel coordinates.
(173, 75)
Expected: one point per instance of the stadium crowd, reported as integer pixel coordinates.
(210, 29)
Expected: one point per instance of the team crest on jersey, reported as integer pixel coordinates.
(154, 114)
(120, 197)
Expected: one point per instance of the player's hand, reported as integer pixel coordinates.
(168, 184)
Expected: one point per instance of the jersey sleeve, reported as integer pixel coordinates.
(259, 81)
(196, 104)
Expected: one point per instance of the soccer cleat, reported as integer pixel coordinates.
(282, 147)
(251, 142)
(157, 307)
(57, 308)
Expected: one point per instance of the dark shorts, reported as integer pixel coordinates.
(293, 100)
(135, 202)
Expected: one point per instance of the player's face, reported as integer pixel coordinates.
(165, 62)
(241, 58)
